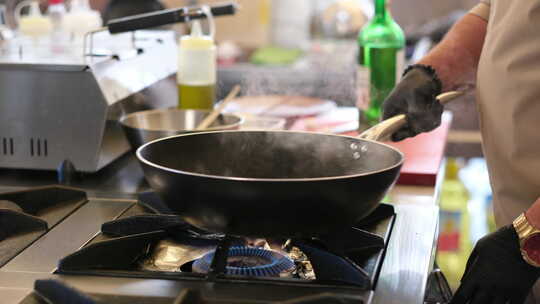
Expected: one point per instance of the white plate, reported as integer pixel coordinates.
(280, 106)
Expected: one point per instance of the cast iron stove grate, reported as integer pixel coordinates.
(350, 259)
(26, 215)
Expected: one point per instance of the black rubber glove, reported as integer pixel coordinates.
(496, 272)
(415, 96)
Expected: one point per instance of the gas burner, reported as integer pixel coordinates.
(149, 242)
(250, 261)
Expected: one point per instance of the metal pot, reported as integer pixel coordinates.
(145, 126)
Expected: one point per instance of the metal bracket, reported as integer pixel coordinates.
(88, 42)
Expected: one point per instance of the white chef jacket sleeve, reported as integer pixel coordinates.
(482, 9)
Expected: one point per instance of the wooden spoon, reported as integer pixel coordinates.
(217, 111)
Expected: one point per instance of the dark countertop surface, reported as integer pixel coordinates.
(121, 179)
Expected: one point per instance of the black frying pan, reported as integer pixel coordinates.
(275, 183)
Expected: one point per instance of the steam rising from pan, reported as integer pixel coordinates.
(274, 155)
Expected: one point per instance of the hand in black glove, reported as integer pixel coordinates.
(496, 272)
(415, 96)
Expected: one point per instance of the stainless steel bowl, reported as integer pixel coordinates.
(145, 126)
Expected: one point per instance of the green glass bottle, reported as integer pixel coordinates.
(381, 60)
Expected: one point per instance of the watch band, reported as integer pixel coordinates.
(524, 231)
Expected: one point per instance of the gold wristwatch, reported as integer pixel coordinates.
(529, 240)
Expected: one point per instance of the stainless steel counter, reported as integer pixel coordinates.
(402, 279)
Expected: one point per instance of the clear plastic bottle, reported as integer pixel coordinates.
(81, 19)
(56, 12)
(34, 24)
(5, 31)
(196, 70)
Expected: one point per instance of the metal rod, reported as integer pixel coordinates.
(90, 36)
(219, 262)
(133, 40)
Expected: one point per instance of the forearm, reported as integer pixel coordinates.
(456, 58)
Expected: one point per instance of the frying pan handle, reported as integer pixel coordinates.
(386, 128)
(447, 97)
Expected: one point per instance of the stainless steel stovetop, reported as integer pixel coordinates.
(76, 223)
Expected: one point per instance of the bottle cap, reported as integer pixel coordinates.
(35, 10)
(196, 39)
(196, 30)
(80, 5)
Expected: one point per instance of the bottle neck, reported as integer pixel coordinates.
(380, 10)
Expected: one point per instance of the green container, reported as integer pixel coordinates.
(381, 60)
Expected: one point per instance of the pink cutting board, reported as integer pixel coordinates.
(423, 155)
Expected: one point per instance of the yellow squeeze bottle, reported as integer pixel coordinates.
(454, 244)
(34, 24)
(196, 75)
